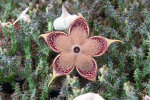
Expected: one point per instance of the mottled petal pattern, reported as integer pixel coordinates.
(79, 30)
(59, 41)
(64, 63)
(95, 46)
(86, 66)
(76, 49)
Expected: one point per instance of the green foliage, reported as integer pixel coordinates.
(27, 56)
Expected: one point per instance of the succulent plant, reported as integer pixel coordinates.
(76, 49)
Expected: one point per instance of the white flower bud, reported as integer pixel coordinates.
(63, 22)
(89, 96)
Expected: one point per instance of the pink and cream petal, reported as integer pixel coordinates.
(58, 41)
(95, 46)
(86, 67)
(79, 30)
(63, 64)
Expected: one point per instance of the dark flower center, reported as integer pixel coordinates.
(76, 49)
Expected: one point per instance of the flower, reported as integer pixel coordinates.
(23, 16)
(76, 49)
(89, 96)
(63, 22)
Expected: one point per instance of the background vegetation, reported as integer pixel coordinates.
(25, 60)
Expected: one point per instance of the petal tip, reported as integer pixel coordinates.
(94, 80)
(63, 8)
(119, 41)
(53, 77)
(43, 35)
(80, 15)
(64, 12)
(109, 41)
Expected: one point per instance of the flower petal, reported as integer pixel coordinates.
(63, 64)
(79, 30)
(58, 41)
(95, 46)
(86, 66)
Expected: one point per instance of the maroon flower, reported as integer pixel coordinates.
(76, 50)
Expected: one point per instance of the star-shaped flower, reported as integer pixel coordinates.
(76, 50)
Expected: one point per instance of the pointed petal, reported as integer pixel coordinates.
(98, 46)
(80, 15)
(109, 41)
(86, 66)
(58, 41)
(63, 64)
(64, 12)
(79, 30)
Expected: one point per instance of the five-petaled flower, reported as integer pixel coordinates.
(76, 50)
